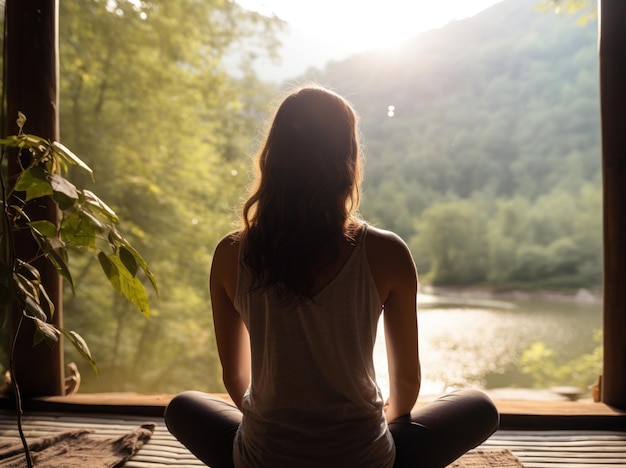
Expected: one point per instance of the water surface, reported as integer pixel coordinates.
(479, 343)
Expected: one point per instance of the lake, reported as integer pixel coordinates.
(479, 343)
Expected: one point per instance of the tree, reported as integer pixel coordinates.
(588, 9)
(511, 118)
(453, 236)
(538, 361)
(160, 99)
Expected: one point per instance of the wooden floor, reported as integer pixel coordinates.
(535, 448)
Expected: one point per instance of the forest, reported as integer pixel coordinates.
(488, 163)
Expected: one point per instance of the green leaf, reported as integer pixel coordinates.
(64, 153)
(46, 243)
(128, 259)
(52, 243)
(54, 250)
(26, 286)
(33, 181)
(79, 229)
(34, 309)
(43, 293)
(60, 263)
(100, 207)
(45, 227)
(34, 272)
(64, 202)
(45, 332)
(34, 141)
(115, 238)
(81, 346)
(131, 287)
(64, 186)
(140, 261)
(110, 271)
(12, 141)
(95, 222)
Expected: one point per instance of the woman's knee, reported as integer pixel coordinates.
(483, 409)
(206, 425)
(180, 409)
(202, 412)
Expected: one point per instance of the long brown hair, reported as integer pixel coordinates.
(307, 190)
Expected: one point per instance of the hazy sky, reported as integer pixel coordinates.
(367, 24)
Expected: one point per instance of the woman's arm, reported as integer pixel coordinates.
(233, 342)
(396, 277)
(400, 316)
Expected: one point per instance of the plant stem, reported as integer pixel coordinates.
(18, 398)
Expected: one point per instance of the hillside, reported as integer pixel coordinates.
(500, 111)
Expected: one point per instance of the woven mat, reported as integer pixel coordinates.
(162, 450)
(76, 449)
(487, 458)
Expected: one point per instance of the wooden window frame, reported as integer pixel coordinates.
(32, 87)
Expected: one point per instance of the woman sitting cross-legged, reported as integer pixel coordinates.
(296, 294)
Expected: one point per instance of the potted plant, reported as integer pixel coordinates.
(85, 224)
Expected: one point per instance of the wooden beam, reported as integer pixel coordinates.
(31, 86)
(524, 414)
(612, 49)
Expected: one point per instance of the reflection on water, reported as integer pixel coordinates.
(479, 343)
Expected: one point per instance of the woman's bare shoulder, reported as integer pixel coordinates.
(224, 265)
(229, 241)
(390, 262)
(227, 249)
(387, 251)
(381, 239)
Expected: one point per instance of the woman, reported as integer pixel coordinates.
(296, 294)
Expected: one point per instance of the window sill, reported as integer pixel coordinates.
(515, 414)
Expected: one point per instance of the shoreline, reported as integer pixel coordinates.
(582, 295)
(525, 394)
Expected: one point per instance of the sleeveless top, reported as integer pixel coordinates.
(313, 400)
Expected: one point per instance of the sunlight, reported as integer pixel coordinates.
(113, 6)
(358, 26)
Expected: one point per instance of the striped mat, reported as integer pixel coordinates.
(535, 449)
(564, 449)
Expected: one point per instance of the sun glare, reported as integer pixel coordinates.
(358, 25)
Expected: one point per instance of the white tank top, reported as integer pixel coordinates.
(313, 399)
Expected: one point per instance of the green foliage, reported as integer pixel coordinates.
(496, 116)
(538, 362)
(555, 242)
(86, 224)
(586, 9)
(160, 99)
(453, 237)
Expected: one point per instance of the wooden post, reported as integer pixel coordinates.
(612, 15)
(31, 86)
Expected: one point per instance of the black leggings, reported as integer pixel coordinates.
(432, 436)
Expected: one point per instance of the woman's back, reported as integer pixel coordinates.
(312, 371)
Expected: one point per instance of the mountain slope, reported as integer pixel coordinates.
(508, 98)
(490, 164)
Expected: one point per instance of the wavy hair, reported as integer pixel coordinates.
(307, 191)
